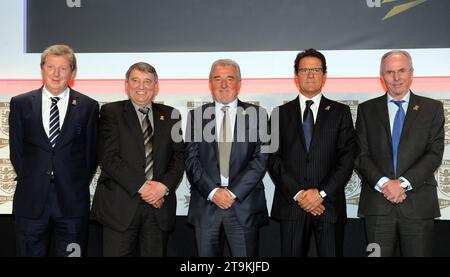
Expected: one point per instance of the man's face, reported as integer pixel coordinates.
(397, 73)
(56, 73)
(310, 77)
(224, 84)
(141, 87)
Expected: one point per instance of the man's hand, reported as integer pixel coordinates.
(223, 198)
(393, 192)
(158, 204)
(311, 201)
(153, 191)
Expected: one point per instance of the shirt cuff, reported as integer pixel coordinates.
(323, 194)
(381, 182)
(409, 187)
(142, 187)
(211, 194)
(297, 195)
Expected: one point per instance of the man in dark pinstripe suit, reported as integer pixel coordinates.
(313, 163)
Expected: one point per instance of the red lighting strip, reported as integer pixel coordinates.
(252, 86)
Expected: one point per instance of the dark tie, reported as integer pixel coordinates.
(308, 123)
(225, 143)
(53, 132)
(147, 131)
(397, 130)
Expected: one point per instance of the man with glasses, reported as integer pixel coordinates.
(400, 138)
(313, 163)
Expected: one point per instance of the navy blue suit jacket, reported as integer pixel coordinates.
(72, 160)
(248, 166)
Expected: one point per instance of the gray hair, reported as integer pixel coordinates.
(396, 52)
(226, 62)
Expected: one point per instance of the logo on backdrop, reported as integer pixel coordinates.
(443, 178)
(73, 3)
(7, 184)
(397, 9)
(446, 103)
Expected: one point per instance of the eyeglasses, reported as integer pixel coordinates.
(305, 71)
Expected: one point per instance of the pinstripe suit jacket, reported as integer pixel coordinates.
(327, 166)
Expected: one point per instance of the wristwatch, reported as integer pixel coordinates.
(403, 184)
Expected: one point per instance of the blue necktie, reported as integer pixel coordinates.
(308, 123)
(54, 121)
(397, 130)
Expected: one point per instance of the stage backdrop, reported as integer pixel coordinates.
(181, 38)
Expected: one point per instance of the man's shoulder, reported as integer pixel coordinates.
(428, 101)
(83, 97)
(26, 95)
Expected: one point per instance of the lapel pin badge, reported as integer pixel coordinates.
(74, 102)
(161, 117)
(327, 108)
(416, 107)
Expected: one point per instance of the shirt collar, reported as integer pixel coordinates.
(61, 96)
(137, 107)
(316, 99)
(405, 98)
(231, 105)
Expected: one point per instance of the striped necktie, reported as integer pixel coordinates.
(54, 121)
(147, 131)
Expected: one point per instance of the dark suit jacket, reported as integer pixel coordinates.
(327, 166)
(247, 168)
(420, 154)
(73, 160)
(122, 160)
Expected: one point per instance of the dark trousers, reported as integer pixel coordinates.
(33, 234)
(414, 236)
(243, 241)
(296, 237)
(143, 237)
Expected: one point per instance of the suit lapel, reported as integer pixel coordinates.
(323, 115)
(296, 120)
(159, 121)
(411, 114)
(132, 120)
(72, 112)
(381, 112)
(239, 119)
(36, 104)
(208, 122)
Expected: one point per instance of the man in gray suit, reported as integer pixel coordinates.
(400, 137)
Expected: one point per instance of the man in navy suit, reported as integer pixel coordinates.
(313, 163)
(52, 139)
(225, 164)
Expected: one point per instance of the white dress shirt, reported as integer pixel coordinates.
(47, 103)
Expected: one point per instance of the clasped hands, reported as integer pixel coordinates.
(311, 201)
(393, 192)
(153, 193)
(223, 198)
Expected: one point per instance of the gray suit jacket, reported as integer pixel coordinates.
(420, 154)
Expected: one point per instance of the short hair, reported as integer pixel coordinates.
(396, 52)
(60, 50)
(226, 62)
(311, 52)
(142, 67)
